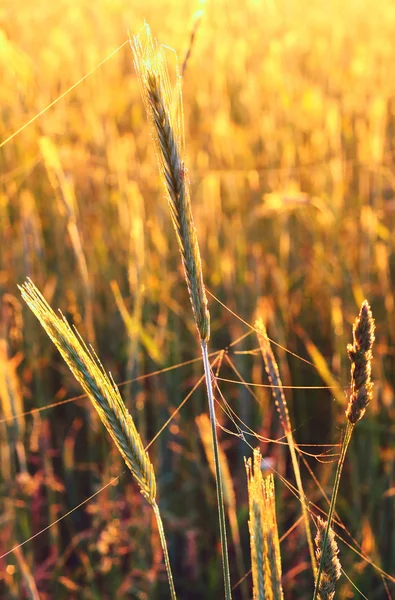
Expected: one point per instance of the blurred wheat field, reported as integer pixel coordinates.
(289, 119)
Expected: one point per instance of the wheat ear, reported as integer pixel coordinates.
(331, 567)
(265, 545)
(360, 354)
(167, 131)
(166, 128)
(104, 396)
(282, 408)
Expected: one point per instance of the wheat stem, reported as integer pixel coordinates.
(165, 550)
(218, 476)
(282, 408)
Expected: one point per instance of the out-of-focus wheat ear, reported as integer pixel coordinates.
(167, 126)
(265, 545)
(99, 387)
(331, 567)
(279, 398)
(360, 354)
(273, 374)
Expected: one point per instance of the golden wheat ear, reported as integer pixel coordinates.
(265, 545)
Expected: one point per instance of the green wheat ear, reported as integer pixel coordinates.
(106, 399)
(166, 129)
(100, 388)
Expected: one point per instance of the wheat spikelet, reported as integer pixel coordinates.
(152, 71)
(328, 559)
(265, 545)
(360, 354)
(99, 387)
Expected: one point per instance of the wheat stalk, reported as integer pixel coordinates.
(167, 131)
(104, 396)
(265, 545)
(282, 408)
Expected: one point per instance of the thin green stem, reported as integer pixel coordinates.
(218, 478)
(303, 501)
(165, 551)
(340, 464)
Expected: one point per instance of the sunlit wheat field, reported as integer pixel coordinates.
(288, 142)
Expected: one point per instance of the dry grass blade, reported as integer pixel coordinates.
(151, 68)
(265, 545)
(331, 567)
(99, 387)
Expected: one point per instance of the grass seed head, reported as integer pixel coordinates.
(331, 567)
(360, 354)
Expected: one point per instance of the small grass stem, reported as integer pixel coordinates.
(340, 464)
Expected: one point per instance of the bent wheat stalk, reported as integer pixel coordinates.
(282, 408)
(106, 399)
(166, 122)
(360, 355)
